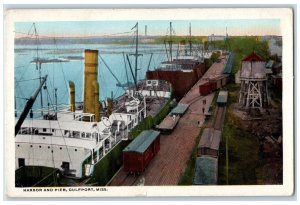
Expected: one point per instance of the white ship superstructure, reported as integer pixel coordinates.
(66, 143)
(74, 140)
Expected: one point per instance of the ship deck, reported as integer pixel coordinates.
(169, 164)
(154, 103)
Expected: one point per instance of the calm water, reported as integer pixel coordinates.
(60, 73)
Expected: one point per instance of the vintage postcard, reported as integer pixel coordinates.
(149, 102)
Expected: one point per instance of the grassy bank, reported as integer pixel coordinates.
(239, 150)
(237, 166)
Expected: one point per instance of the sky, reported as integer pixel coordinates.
(181, 27)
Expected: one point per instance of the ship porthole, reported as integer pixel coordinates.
(48, 147)
(40, 146)
(60, 148)
(30, 145)
(75, 150)
(52, 151)
(18, 145)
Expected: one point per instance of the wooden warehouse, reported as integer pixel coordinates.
(138, 154)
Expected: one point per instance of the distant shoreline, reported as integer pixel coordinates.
(121, 40)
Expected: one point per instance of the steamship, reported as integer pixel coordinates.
(183, 70)
(73, 139)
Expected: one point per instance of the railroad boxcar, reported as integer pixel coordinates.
(219, 82)
(222, 98)
(213, 85)
(224, 80)
(205, 88)
(138, 154)
(209, 143)
(206, 171)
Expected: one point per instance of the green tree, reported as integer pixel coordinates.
(214, 56)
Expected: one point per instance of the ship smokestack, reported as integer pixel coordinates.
(91, 102)
(72, 96)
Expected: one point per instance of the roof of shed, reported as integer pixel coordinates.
(210, 138)
(206, 169)
(270, 64)
(229, 64)
(222, 97)
(179, 109)
(142, 142)
(253, 57)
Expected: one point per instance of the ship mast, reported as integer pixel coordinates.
(136, 51)
(38, 64)
(227, 41)
(190, 40)
(170, 41)
(136, 54)
(126, 70)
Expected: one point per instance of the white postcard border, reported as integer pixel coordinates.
(286, 18)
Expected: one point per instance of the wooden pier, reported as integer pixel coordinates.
(175, 149)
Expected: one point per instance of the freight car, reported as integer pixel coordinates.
(205, 88)
(219, 81)
(222, 98)
(138, 154)
(206, 167)
(209, 143)
(206, 171)
(213, 85)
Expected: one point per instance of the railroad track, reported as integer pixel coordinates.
(195, 99)
(128, 180)
(218, 122)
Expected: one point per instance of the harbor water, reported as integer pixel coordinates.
(64, 63)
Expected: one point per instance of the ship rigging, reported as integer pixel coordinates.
(74, 138)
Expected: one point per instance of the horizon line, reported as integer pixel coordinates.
(107, 36)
